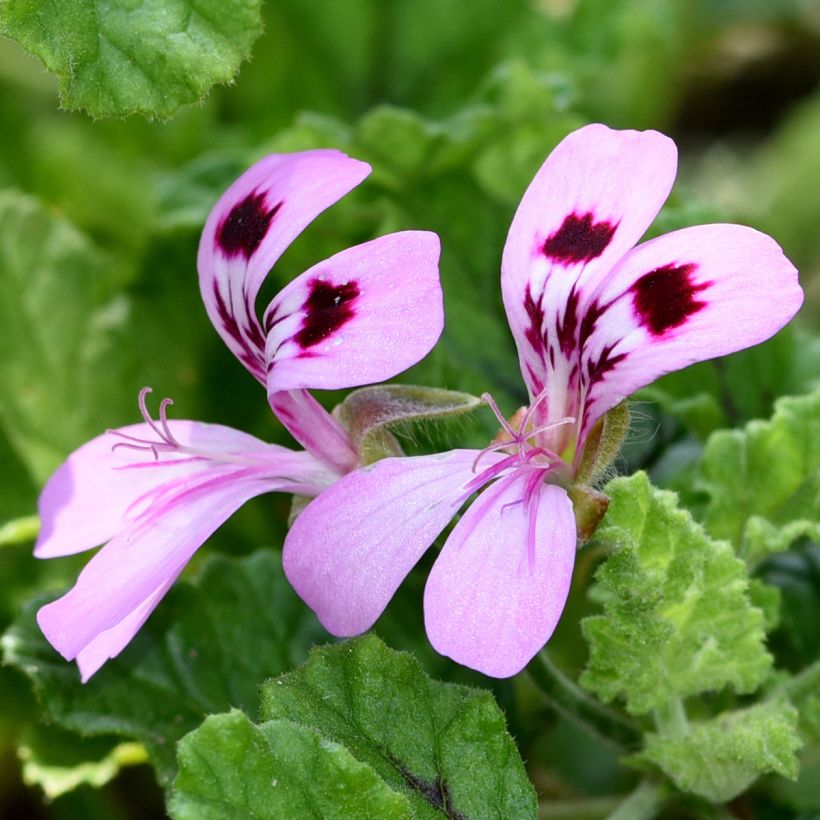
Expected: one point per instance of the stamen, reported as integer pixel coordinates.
(163, 418)
(531, 409)
(144, 393)
(501, 420)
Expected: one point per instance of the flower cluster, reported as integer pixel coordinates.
(594, 315)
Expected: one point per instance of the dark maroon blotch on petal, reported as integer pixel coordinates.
(327, 308)
(244, 228)
(579, 239)
(665, 297)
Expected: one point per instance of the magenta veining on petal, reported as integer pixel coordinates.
(327, 308)
(579, 239)
(243, 230)
(664, 298)
(251, 356)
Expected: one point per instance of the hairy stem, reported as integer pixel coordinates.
(805, 682)
(564, 695)
(670, 720)
(643, 804)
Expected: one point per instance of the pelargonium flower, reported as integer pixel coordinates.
(156, 491)
(594, 318)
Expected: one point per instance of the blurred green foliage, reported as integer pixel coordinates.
(455, 105)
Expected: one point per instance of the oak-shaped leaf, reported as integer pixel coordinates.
(720, 758)
(678, 619)
(764, 480)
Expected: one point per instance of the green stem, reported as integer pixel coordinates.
(591, 808)
(643, 804)
(564, 695)
(804, 683)
(670, 720)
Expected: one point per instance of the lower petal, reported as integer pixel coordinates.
(84, 503)
(110, 643)
(494, 595)
(112, 590)
(351, 547)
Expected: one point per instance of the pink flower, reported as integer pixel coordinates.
(156, 491)
(594, 319)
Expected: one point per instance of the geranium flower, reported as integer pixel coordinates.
(156, 491)
(594, 319)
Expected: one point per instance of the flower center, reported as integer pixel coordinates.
(519, 438)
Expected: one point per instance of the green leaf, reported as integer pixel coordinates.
(204, 650)
(230, 768)
(764, 481)
(367, 414)
(125, 57)
(58, 761)
(57, 316)
(720, 758)
(19, 530)
(444, 745)
(677, 615)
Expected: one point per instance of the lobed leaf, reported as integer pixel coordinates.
(677, 618)
(443, 745)
(230, 768)
(205, 650)
(720, 758)
(764, 481)
(118, 58)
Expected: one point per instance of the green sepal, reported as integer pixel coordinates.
(367, 414)
(443, 745)
(720, 758)
(603, 444)
(678, 619)
(764, 480)
(231, 768)
(590, 507)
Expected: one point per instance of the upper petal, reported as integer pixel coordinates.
(497, 590)
(249, 228)
(684, 297)
(85, 501)
(351, 547)
(590, 202)
(361, 316)
(120, 585)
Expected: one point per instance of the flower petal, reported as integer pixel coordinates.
(495, 594)
(590, 202)
(361, 316)
(124, 577)
(110, 643)
(314, 428)
(85, 501)
(684, 297)
(249, 228)
(351, 547)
